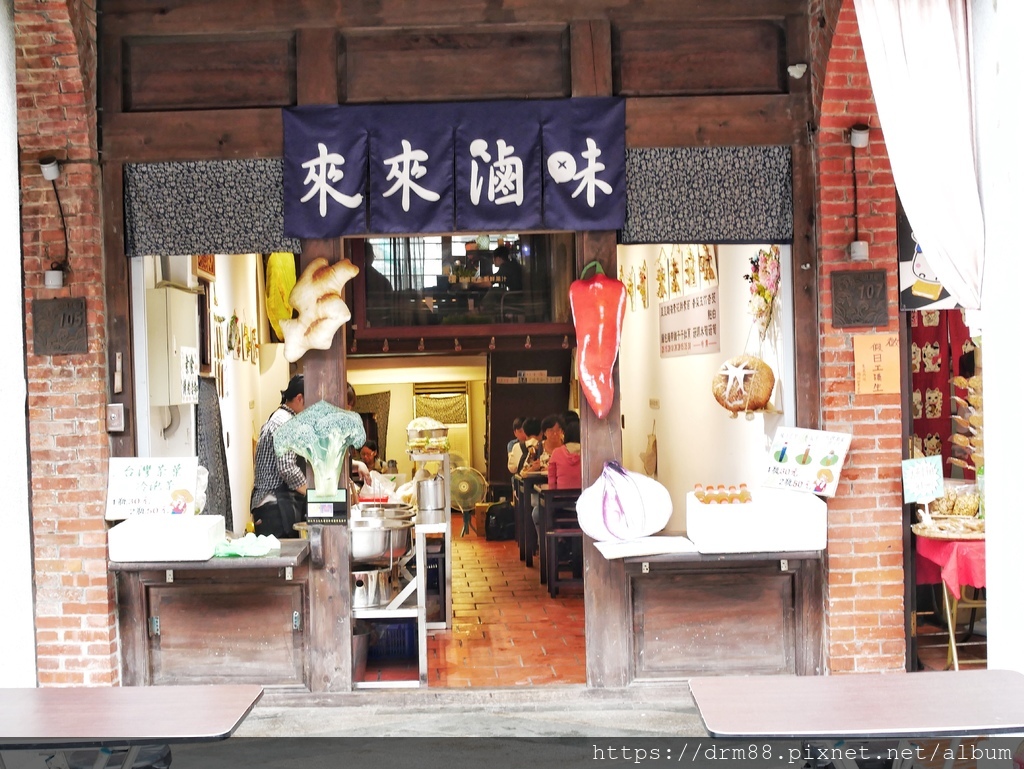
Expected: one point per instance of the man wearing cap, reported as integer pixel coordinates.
(279, 484)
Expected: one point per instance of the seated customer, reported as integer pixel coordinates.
(565, 467)
(520, 454)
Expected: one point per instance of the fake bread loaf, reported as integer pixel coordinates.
(322, 311)
(743, 383)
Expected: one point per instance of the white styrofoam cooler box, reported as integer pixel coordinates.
(774, 521)
(165, 538)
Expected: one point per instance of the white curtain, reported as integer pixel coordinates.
(918, 60)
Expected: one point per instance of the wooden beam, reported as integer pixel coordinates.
(117, 285)
(154, 137)
(590, 44)
(316, 66)
(693, 121)
(805, 293)
(716, 121)
(606, 594)
(182, 16)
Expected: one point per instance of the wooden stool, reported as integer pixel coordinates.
(557, 511)
(574, 564)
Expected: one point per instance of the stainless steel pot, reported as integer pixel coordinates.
(430, 494)
(371, 587)
(379, 540)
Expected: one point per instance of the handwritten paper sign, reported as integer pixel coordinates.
(189, 375)
(876, 363)
(146, 485)
(688, 325)
(922, 479)
(807, 460)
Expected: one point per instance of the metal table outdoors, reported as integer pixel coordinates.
(896, 705)
(119, 716)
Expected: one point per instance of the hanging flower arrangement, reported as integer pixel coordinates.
(764, 287)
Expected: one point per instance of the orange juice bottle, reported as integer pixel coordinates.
(745, 495)
(698, 492)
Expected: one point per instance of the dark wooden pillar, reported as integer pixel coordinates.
(324, 370)
(606, 587)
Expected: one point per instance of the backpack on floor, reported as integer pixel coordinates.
(501, 522)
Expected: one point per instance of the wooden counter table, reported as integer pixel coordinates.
(696, 614)
(225, 620)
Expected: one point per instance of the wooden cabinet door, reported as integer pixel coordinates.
(713, 622)
(213, 633)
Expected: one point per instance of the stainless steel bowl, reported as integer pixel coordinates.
(394, 510)
(379, 540)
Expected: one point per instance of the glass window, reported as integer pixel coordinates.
(491, 278)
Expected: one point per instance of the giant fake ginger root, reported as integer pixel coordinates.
(322, 311)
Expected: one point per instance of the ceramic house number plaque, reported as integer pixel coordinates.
(59, 326)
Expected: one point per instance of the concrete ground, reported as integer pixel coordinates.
(549, 711)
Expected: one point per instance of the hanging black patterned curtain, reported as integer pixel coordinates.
(212, 454)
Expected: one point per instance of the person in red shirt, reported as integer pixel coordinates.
(565, 470)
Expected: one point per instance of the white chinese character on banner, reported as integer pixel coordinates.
(405, 167)
(505, 174)
(324, 171)
(562, 167)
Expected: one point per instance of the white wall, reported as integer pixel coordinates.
(999, 76)
(698, 441)
(251, 391)
(245, 392)
(17, 641)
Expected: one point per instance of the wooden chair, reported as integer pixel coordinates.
(560, 530)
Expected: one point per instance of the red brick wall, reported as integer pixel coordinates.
(55, 67)
(865, 563)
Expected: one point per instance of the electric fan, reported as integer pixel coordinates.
(468, 487)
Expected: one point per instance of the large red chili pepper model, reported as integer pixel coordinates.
(598, 308)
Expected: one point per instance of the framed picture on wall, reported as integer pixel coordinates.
(204, 266)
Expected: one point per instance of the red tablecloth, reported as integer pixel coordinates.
(956, 562)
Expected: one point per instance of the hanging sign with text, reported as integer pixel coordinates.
(689, 324)
(876, 363)
(555, 164)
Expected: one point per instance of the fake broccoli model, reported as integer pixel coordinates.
(322, 433)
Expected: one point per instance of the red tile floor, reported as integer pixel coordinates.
(506, 629)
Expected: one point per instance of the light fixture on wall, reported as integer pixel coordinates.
(49, 167)
(859, 135)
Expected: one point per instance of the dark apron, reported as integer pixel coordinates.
(278, 518)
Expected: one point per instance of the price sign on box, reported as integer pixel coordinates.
(922, 479)
(806, 460)
(147, 485)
